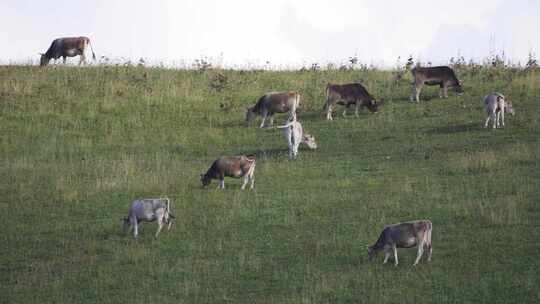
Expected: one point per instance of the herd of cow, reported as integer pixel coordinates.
(402, 235)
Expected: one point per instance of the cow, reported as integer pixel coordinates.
(274, 102)
(443, 76)
(67, 47)
(348, 94)
(148, 210)
(496, 105)
(232, 166)
(403, 235)
(295, 135)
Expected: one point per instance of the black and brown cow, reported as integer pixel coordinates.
(404, 235)
(232, 166)
(443, 76)
(274, 102)
(348, 94)
(67, 47)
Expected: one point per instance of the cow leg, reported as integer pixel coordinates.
(246, 178)
(502, 116)
(420, 252)
(417, 88)
(271, 120)
(445, 91)
(263, 120)
(494, 119)
(344, 112)
(386, 256)
(429, 247)
(441, 91)
(135, 228)
(160, 226)
(252, 180)
(290, 145)
(221, 183)
(395, 256)
(329, 112)
(82, 59)
(415, 94)
(356, 109)
(64, 59)
(487, 121)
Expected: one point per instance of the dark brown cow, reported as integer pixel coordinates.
(67, 47)
(348, 94)
(404, 235)
(274, 102)
(442, 76)
(232, 166)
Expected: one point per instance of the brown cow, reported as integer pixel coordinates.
(232, 166)
(274, 102)
(404, 235)
(67, 47)
(348, 94)
(440, 75)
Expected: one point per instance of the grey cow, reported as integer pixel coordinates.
(442, 76)
(403, 235)
(348, 94)
(274, 102)
(496, 105)
(148, 210)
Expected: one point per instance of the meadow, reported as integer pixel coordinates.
(78, 145)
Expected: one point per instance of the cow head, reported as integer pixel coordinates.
(205, 180)
(44, 59)
(372, 105)
(458, 88)
(371, 252)
(309, 140)
(250, 115)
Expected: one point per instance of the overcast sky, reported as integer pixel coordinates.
(283, 32)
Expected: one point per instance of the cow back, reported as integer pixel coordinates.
(435, 75)
(279, 102)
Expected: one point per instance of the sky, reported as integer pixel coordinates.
(277, 33)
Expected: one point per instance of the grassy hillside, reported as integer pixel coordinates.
(77, 145)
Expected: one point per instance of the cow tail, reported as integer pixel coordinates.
(428, 234)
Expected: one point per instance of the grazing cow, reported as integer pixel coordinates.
(149, 210)
(403, 235)
(295, 135)
(232, 166)
(348, 94)
(274, 102)
(67, 47)
(441, 75)
(496, 105)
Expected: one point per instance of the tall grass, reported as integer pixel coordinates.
(77, 145)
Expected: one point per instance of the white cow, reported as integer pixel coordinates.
(149, 210)
(496, 106)
(295, 135)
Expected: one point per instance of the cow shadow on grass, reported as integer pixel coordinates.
(455, 128)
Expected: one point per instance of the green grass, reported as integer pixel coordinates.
(77, 145)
